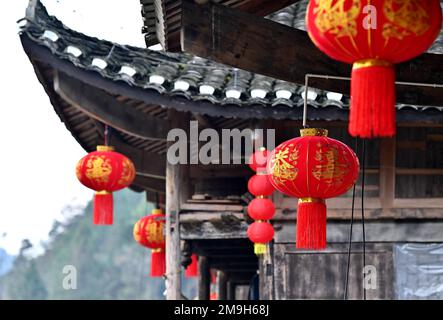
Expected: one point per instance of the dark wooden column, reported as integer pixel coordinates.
(222, 281)
(176, 188)
(204, 279)
(231, 290)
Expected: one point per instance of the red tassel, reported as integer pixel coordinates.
(372, 112)
(103, 208)
(311, 224)
(192, 269)
(158, 263)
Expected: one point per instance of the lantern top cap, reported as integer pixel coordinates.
(157, 211)
(311, 132)
(105, 148)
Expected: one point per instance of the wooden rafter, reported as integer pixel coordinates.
(102, 106)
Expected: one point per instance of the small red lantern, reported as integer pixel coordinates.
(373, 36)
(261, 209)
(312, 168)
(258, 160)
(260, 185)
(260, 232)
(105, 171)
(192, 269)
(149, 231)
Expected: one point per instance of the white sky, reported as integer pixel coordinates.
(38, 154)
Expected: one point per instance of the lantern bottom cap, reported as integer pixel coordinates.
(260, 248)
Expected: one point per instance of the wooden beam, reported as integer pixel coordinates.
(147, 164)
(152, 184)
(212, 207)
(105, 108)
(245, 41)
(204, 278)
(263, 7)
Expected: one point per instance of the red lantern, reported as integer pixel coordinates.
(312, 168)
(261, 209)
(260, 232)
(149, 232)
(105, 171)
(260, 185)
(258, 160)
(373, 35)
(192, 269)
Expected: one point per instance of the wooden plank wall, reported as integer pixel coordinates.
(321, 275)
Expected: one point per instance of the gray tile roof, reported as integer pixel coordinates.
(181, 74)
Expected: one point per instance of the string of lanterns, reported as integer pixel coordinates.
(261, 209)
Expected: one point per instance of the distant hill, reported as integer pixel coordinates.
(109, 263)
(6, 262)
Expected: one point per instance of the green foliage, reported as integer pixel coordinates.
(109, 263)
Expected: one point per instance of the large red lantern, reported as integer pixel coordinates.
(312, 168)
(105, 171)
(149, 231)
(373, 35)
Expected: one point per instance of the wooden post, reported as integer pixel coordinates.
(174, 192)
(222, 281)
(204, 278)
(231, 290)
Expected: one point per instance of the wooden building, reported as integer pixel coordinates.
(243, 65)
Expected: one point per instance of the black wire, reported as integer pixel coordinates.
(363, 210)
(345, 296)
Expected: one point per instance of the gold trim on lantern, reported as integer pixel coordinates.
(262, 173)
(158, 250)
(312, 132)
(103, 192)
(366, 63)
(105, 148)
(157, 211)
(311, 200)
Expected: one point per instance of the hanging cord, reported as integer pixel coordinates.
(363, 209)
(157, 202)
(345, 296)
(305, 103)
(106, 135)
